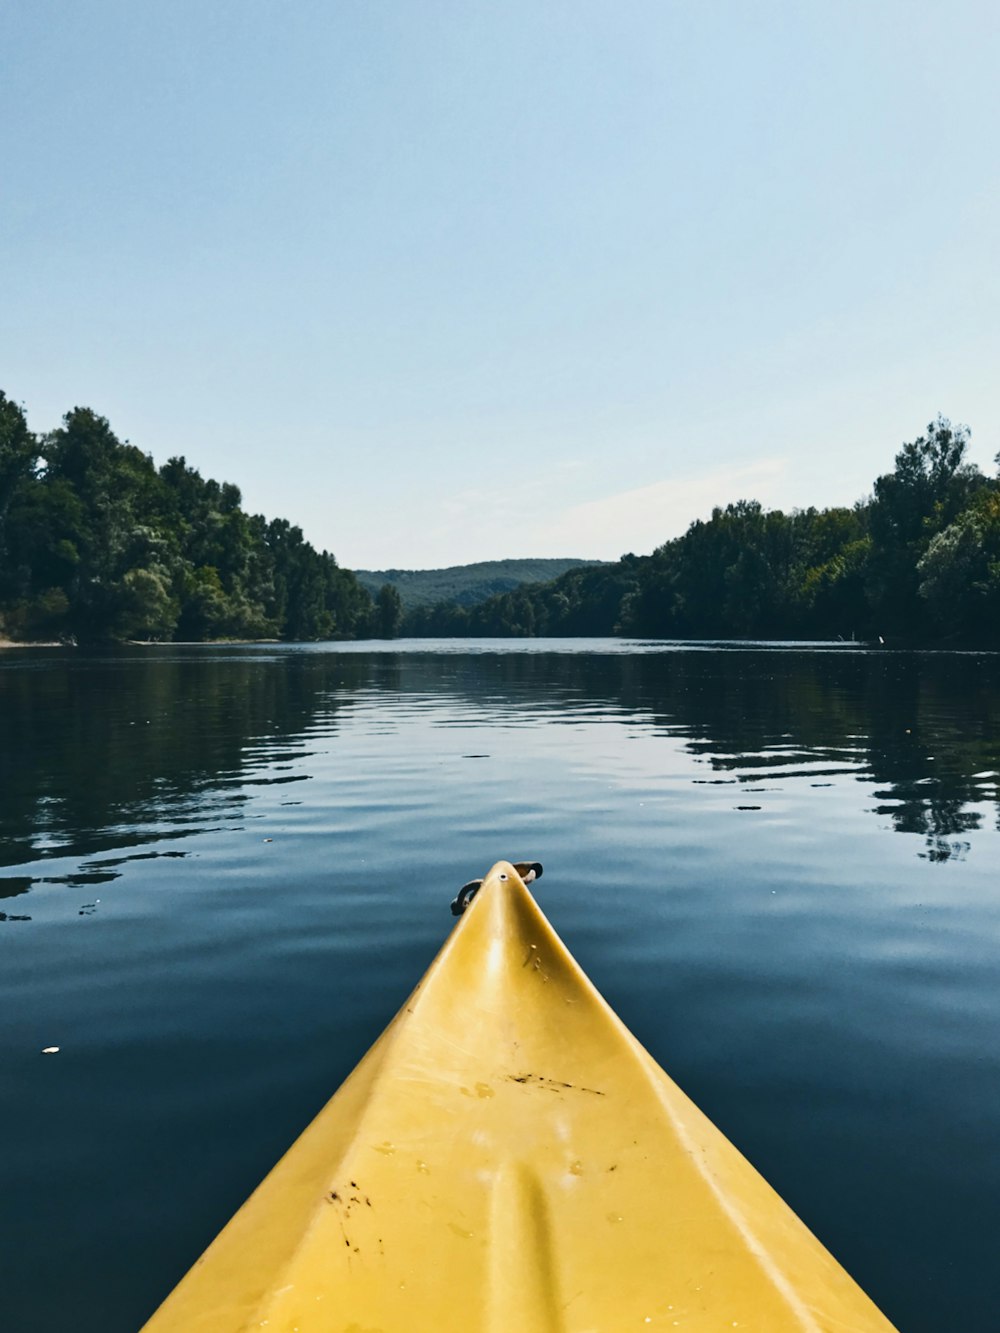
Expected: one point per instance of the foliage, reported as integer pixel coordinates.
(583, 601)
(388, 612)
(919, 561)
(960, 572)
(18, 456)
(930, 485)
(98, 544)
(464, 585)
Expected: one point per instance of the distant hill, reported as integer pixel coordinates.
(464, 585)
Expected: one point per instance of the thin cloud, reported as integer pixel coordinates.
(527, 519)
(643, 518)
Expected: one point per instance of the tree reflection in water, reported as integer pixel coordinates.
(115, 751)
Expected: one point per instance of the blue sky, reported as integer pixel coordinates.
(454, 281)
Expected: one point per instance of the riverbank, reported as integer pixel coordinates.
(43, 643)
(130, 643)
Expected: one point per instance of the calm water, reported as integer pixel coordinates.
(222, 870)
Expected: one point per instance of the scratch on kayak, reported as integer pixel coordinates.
(534, 958)
(553, 1084)
(445, 1039)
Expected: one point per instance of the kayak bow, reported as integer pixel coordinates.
(507, 1158)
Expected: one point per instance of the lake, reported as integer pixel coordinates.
(222, 869)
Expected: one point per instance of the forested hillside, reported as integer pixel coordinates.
(464, 585)
(917, 561)
(97, 544)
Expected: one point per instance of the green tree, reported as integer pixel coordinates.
(388, 612)
(18, 458)
(149, 608)
(929, 486)
(960, 573)
(114, 486)
(98, 543)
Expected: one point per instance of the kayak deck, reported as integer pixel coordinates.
(508, 1158)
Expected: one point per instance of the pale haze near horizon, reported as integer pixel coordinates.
(446, 282)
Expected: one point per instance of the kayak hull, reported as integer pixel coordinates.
(508, 1157)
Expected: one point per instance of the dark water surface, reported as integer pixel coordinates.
(223, 869)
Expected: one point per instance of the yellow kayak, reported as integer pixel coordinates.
(508, 1159)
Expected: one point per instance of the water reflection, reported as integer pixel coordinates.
(731, 838)
(11, 886)
(131, 749)
(921, 727)
(112, 752)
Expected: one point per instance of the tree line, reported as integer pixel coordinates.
(98, 544)
(465, 585)
(918, 560)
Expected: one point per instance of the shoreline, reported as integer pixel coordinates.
(34, 643)
(129, 643)
(956, 646)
